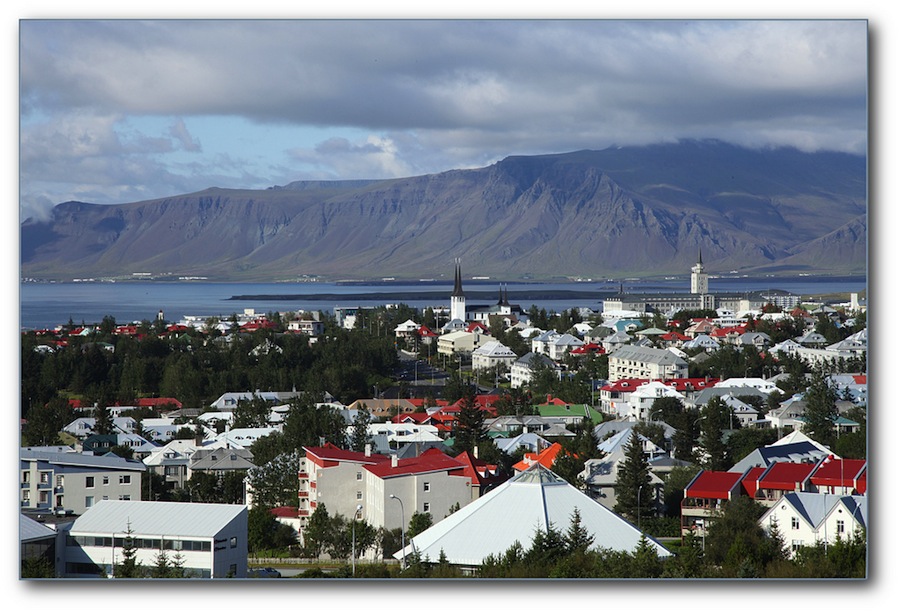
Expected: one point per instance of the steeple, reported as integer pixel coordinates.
(699, 256)
(457, 282)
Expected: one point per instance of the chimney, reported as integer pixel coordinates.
(393, 461)
(368, 450)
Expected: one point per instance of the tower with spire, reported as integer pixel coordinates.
(699, 278)
(458, 298)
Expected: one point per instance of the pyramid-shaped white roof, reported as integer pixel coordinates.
(512, 512)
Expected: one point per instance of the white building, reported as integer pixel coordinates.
(211, 539)
(807, 518)
(646, 362)
(492, 354)
(641, 399)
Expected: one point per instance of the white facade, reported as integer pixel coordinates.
(211, 539)
(807, 518)
(491, 354)
(641, 399)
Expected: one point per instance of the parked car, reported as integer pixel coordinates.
(264, 572)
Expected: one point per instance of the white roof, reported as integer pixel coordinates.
(157, 518)
(512, 512)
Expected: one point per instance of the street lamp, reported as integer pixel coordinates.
(639, 507)
(353, 539)
(402, 532)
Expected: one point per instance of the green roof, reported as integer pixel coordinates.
(568, 410)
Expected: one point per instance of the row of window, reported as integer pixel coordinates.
(92, 569)
(148, 543)
(795, 524)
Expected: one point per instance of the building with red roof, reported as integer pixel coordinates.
(840, 476)
(546, 458)
(707, 492)
(384, 490)
(782, 477)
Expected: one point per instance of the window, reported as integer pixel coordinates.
(359, 495)
(26, 495)
(105, 480)
(234, 542)
(124, 497)
(795, 522)
(126, 479)
(426, 486)
(88, 501)
(45, 477)
(359, 475)
(26, 477)
(60, 481)
(44, 498)
(796, 545)
(89, 482)
(840, 527)
(426, 507)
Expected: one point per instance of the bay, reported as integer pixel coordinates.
(46, 305)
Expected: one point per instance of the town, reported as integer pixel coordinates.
(691, 435)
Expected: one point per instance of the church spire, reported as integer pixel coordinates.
(699, 256)
(457, 282)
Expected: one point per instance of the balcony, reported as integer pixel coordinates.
(303, 494)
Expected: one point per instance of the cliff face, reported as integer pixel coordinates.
(624, 211)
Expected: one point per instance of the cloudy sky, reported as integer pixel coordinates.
(125, 110)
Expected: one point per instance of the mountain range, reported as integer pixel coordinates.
(621, 211)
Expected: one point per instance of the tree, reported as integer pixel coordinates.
(44, 424)
(275, 483)
(633, 492)
(251, 413)
(469, 426)
(821, 409)
(359, 434)
(103, 420)
(738, 543)
(418, 522)
(715, 417)
(265, 532)
(317, 534)
(129, 567)
(577, 538)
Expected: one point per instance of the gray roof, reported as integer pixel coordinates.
(648, 355)
(157, 518)
(104, 462)
(30, 530)
(534, 499)
(797, 452)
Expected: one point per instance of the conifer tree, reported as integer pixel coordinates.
(359, 434)
(715, 417)
(469, 426)
(821, 409)
(633, 492)
(577, 538)
(129, 567)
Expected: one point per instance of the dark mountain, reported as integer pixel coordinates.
(628, 211)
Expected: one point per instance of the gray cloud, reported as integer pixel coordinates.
(435, 95)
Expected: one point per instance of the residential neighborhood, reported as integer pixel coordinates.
(638, 440)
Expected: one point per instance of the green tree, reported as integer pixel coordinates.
(45, 423)
(821, 409)
(130, 567)
(103, 420)
(418, 522)
(359, 434)
(715, 418)
(633, 494)
(737, 542)
(251, 413)
(266, 533)
(275, 483)
(646, 562)
(470, 429)
(317, 533)
(577, 538)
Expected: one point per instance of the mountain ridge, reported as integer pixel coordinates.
(627, 211)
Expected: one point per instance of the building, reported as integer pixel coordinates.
(492, 354)
(699, 298)
(806, 519)
(646, 362)
(534, 499)
(458, 298)
(70, 483)
(211, 539)
(522, 369)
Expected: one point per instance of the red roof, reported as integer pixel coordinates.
(157, 401)
(624, 384)
(479, 471)
(859, 379)
(712, 485)
(590, 347)
(749, 482)
(432, 460)
(688, 384)
(285, 512)
(332, 454)
(411, 417)
(785, 476)
(426, 332)
(673, 336)
(479, 326)
(546, 457)
(838, 472)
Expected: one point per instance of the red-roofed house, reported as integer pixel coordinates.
(782, 477)
(385, 491)
(705, 494)
(546, 458)
(840, 476)
(485, 476)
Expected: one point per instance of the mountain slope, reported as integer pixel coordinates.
(621, 211)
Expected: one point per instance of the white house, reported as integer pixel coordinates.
(211, 539)
(805, 519)
(641, 399)
(492, 354)
(521, 370)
